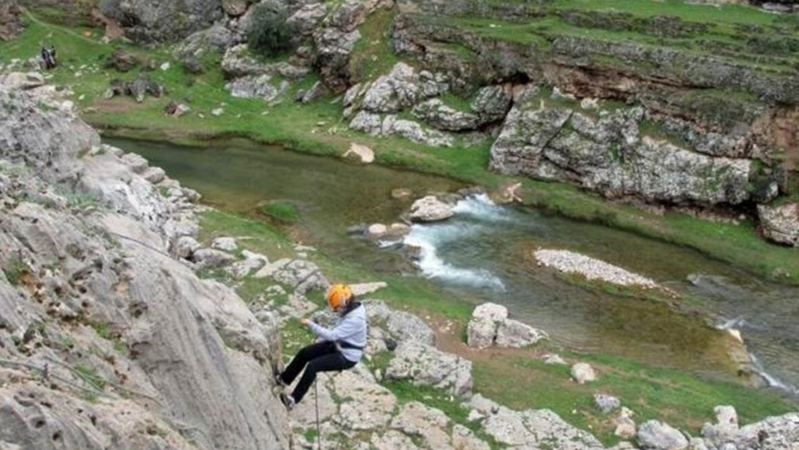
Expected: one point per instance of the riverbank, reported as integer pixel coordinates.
(318, 128)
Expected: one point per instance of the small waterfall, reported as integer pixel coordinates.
(429, 238)
(772, 380)
(482, 208)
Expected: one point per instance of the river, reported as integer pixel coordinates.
(484, 253)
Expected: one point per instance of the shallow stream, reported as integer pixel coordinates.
(485, 254)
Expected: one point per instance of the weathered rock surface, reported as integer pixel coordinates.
(490, 326)
(780, 223)
(179, 365)
(611, 155)
(426, 365)
(10, 20)
(430, 209)
(583, 373)
(151, 22)
(654, 435)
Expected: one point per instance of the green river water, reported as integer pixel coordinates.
(484, 254)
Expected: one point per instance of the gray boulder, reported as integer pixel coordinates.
(151, 22)
(780, 223)
(654, 435)
(490, 326)
(430, 209)
(207, 258)
(583, 373)
(260, 86)
(606, 403)
(426, 365)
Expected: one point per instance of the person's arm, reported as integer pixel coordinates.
(347, 327)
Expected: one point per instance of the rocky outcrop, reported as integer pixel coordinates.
(149, 22)
(91, 297)
(611, 154)
(780, 223)
(490, 326)
(139, 88)
(10, 20)
(425, 365)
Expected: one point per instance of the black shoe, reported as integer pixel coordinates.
(288, 401)
(277, 376)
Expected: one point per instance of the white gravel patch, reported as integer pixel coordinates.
(592, 269)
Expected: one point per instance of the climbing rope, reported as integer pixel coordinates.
(318, 427)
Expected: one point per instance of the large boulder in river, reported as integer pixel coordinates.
(780, 223)
(149, 22)
(430, 209)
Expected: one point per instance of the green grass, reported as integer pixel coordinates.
(681, 399)
(15, 270)
(280, 211)
(373, 55)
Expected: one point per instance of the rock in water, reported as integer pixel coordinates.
(430, 209)
(654, 435)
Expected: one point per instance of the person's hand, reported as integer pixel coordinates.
(305, 321)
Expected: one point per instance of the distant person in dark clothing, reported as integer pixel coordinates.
(49, 58)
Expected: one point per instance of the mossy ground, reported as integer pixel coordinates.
(516, 378)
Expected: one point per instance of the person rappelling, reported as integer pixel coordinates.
(338, 349)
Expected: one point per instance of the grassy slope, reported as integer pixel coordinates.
(318, 128)
(517, 379)
(726, 28)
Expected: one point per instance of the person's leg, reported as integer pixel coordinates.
(327, 363)
(307, 353)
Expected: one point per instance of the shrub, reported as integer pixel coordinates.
(268, 33)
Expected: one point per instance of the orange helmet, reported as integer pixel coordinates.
(338, 295)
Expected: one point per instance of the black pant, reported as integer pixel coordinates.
(315, 358)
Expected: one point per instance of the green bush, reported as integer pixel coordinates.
(268, 34)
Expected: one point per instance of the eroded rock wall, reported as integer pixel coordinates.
(106, 341)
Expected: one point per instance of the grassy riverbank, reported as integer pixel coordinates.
(318, 128)
(516, 378)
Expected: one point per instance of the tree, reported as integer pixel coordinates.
(268, 34)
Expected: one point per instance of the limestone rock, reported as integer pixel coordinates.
(401, 326)
(654, 435)
(301, 275)
(610, 155)
(583, 373)
(147, 22)
(374, 405)
(625, 425)
(724, 430)
(428, 424)
(780, 223)
(606, 403)
(444, 117)
(464, 439)
(490, 326)
(186, 246)
(47, 141)
(23, 81)
(425, 365)
(207, 258)
(364, 153)
(226, 244)
(359, 290)
(430, 209)
(592, 269)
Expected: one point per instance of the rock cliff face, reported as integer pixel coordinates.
(149, 22)
(105, 340)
